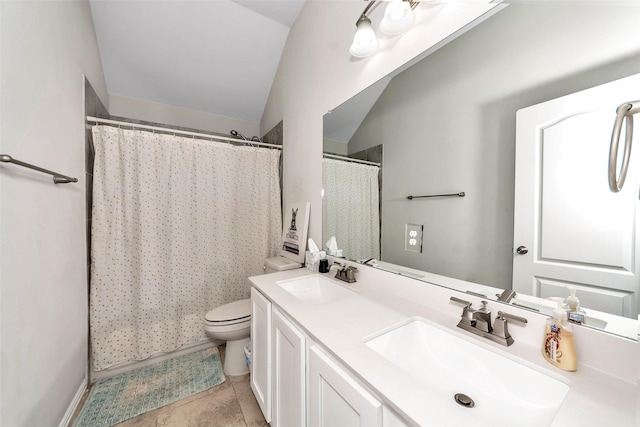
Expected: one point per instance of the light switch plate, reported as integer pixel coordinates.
(413, 237)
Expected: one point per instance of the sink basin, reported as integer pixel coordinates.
(504, 392)
(315, 289)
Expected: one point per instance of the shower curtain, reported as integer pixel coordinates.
(178, 225)
(350, 207)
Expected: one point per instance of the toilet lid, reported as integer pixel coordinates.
(280, 263)
(232, 311)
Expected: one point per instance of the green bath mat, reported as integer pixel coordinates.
(116, 399)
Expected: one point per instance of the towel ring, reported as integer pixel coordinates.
(624, 111)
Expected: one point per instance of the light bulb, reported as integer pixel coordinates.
(365, 42)
(398, 18)
(396, 13)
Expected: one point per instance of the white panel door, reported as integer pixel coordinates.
(336, 399)
(577, 232)
(289, 398)
(261, 351)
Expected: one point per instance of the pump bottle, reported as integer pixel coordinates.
(574, 311)
(558, 346)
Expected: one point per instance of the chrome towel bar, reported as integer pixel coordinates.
(461, 194)
(57, 178)
(624, 111)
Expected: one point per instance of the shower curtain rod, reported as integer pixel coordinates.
(350, 159)
(91, 119)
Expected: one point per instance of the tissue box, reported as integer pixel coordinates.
(312, 260)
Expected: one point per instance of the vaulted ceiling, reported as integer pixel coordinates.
(216, 56)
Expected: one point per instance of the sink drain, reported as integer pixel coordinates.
(464, 400)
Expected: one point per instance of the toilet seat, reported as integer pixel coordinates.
(230, 314)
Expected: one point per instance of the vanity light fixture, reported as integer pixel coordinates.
(398, 18)
(365, 42)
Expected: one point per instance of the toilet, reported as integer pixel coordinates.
(232, 322)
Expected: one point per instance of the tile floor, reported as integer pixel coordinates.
(231, 404)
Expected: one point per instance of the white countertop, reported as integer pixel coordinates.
(616, 325)
(342, 327)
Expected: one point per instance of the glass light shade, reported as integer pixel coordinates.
(398, 18)
(365, 42)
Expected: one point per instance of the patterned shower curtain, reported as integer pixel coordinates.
(178, 225)
(350, 207)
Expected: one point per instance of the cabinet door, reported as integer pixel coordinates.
(261, 351)
(336, 399)
(288, 373)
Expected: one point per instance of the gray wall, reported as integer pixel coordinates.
(334, 147)
(47, 50)
(448, 125)
(147, 111)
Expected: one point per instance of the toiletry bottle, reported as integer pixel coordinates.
(558, 346)
(575, 313)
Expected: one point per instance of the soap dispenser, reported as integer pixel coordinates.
(575, 313)
(558, 346)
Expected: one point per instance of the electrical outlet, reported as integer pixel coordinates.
(413, 238)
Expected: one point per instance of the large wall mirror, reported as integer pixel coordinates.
(447, 125)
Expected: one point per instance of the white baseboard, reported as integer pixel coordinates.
(74, 404)
(159, 357)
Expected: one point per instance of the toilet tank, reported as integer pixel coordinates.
(279, 263)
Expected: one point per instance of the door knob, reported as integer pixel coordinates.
(522, 250)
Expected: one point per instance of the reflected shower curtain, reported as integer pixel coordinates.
(178, 225)
(350, 207)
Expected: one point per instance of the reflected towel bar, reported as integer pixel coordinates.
(461, 194)
(57, 178)
(624, 111)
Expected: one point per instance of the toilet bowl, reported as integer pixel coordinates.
(231, 323)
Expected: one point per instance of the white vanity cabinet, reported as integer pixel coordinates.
(261, 351)
(335, 398)
(288, 364)
(278, 371)
(297, 383)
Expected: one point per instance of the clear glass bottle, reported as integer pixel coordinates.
(574, 311)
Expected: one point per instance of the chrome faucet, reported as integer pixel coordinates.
(479, 322)
(506, 296)
(344, 273)
(482, 316)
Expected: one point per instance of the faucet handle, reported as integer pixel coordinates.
(500, 326)
(502, 316)
(466, 304)
(467, 312)
(350, 273)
